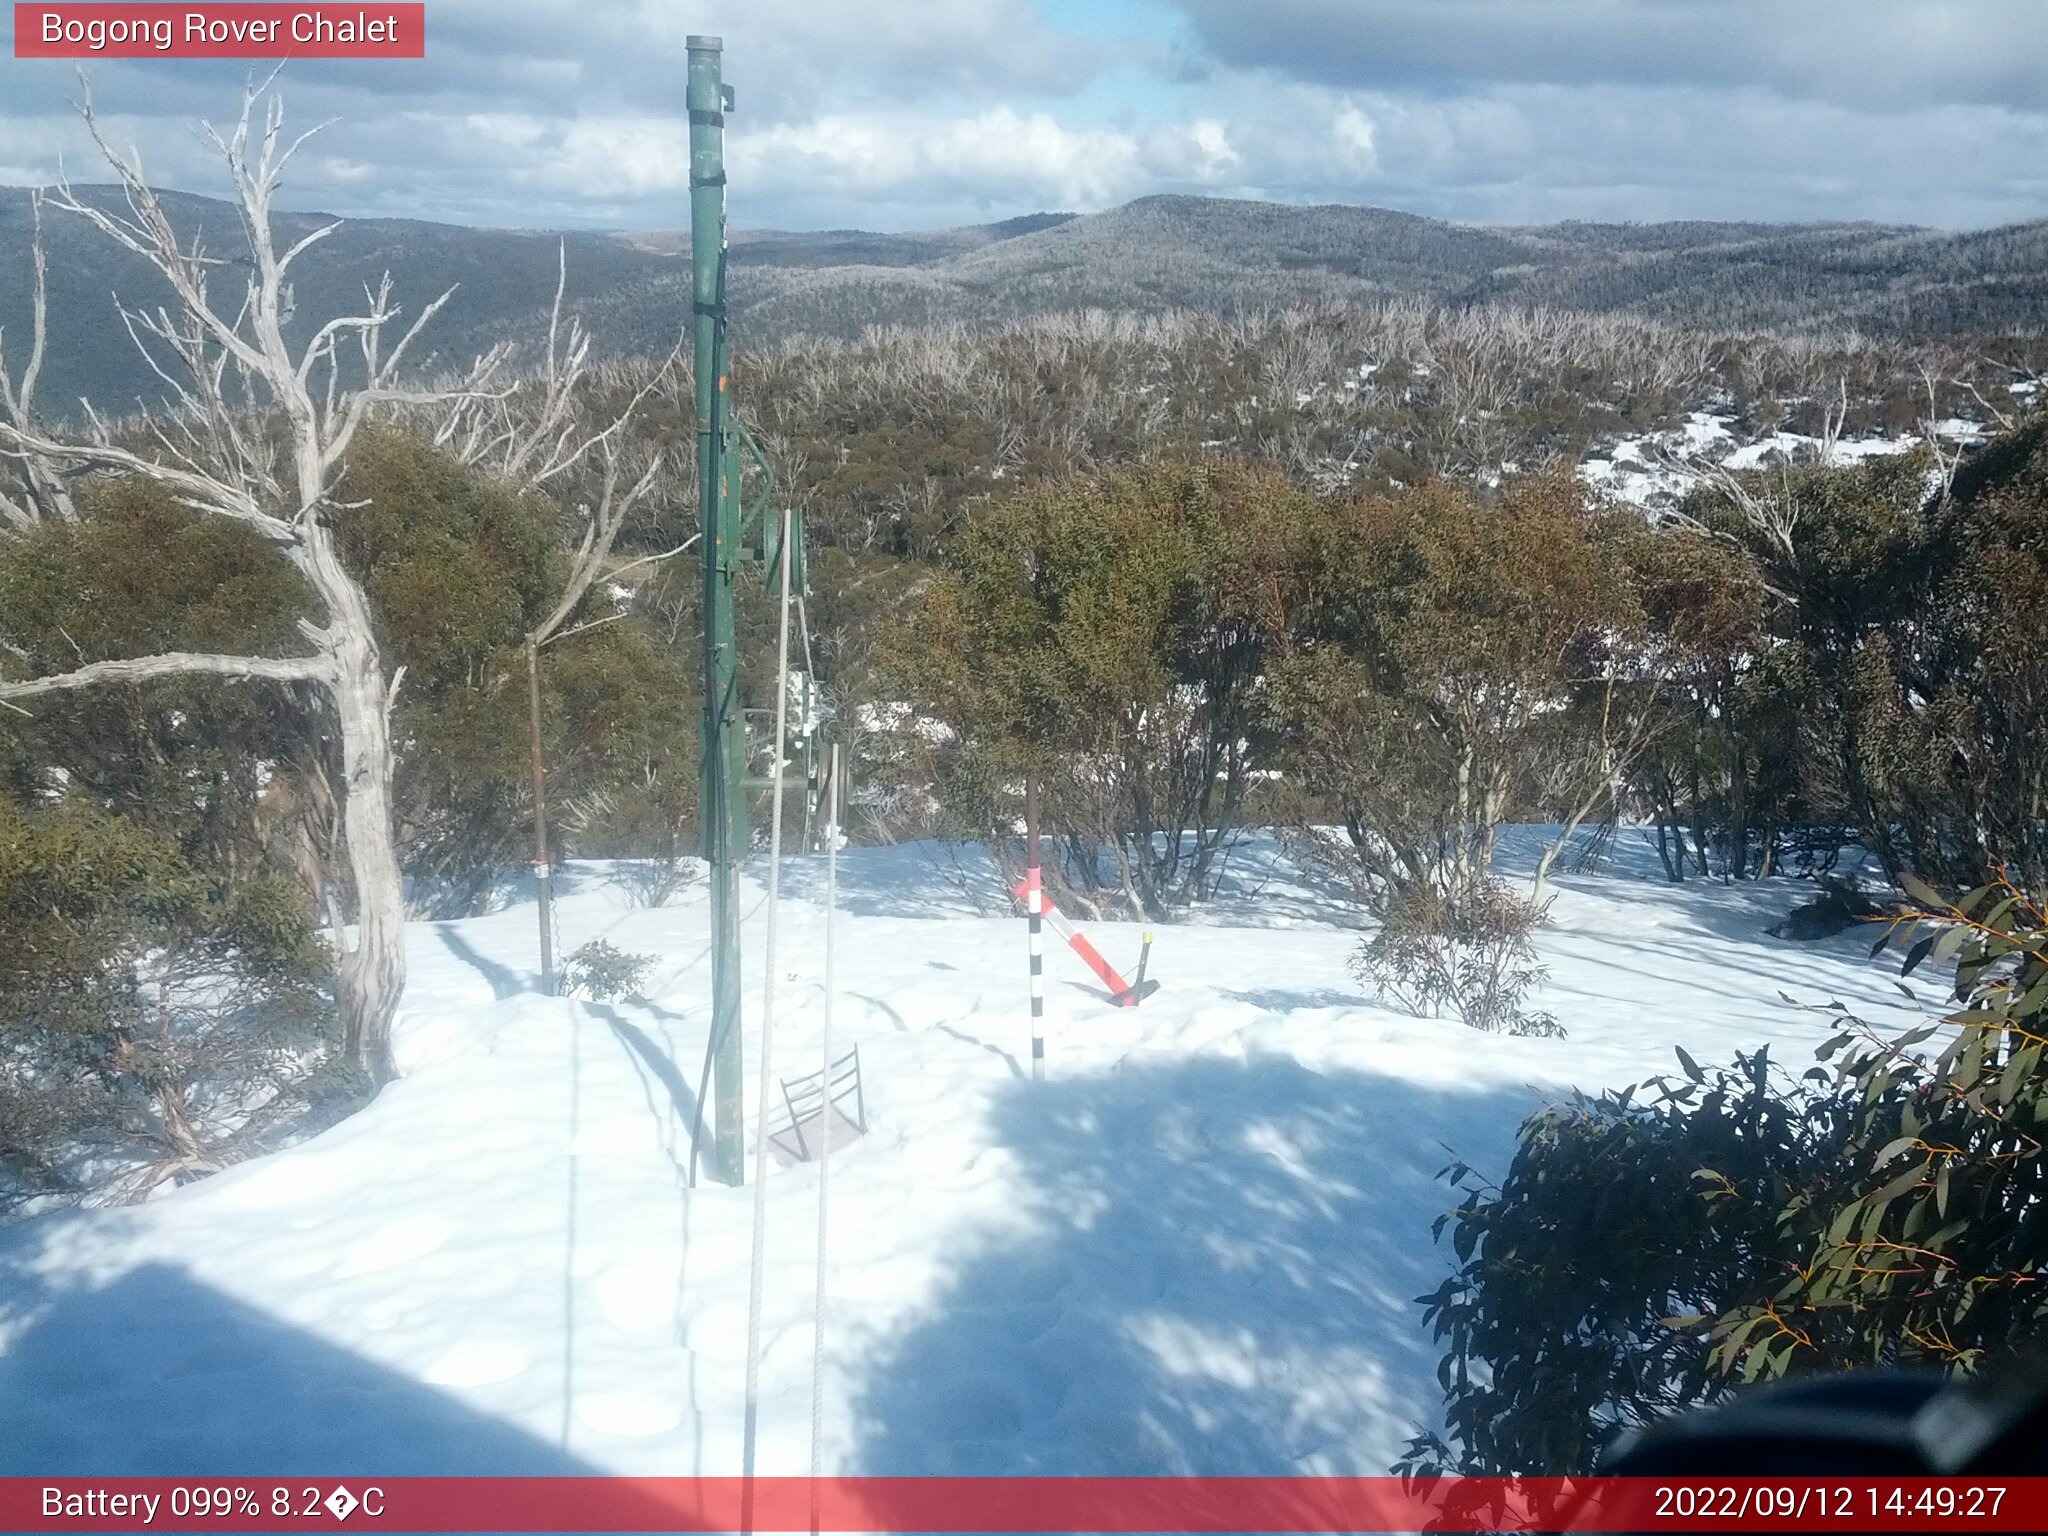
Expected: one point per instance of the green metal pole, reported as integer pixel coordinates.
(721, 812)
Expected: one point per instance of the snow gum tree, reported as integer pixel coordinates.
(257, 432)
(1446, 631)
(1886, 684)
(1108, 633)
(1436, 676)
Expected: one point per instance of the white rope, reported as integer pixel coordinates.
(803, 619)
(767, 1077)
(825, 1133)
(815, 714)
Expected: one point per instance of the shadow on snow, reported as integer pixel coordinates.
(1217, 1278)
(227, 1391)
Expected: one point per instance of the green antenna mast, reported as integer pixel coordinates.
(742, 526)
(722, 811)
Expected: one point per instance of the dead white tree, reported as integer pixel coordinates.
(258, 433)
(1768, 502)
(1768, 499)
(32, 491)
(1938, 374)
(2002, 420)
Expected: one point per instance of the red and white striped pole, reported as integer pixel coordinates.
(1043, 914)
(1034, 904)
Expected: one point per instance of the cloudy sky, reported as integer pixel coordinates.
(907, 114)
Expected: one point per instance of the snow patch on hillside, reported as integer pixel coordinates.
(1656, 470)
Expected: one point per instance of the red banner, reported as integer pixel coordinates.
(1023, 1504)
(217, 31)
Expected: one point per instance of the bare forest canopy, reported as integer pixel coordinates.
(1150, 256)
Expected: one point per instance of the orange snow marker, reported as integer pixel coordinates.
(1121, 992)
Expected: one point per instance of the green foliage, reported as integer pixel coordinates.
(1750, 733)
(1948, 709)
(80, 889)
(622, 729)
(1894, 683)
(460, 570)
(191, 758)
(150, 1023)
(1929, 1243)
(458, 566)
(1587, 1278)
(1470, 954)
(1648, 1249)
(604, 972)
(1441, 636)
(164, 1010)
(1108, 635)
(139, 574)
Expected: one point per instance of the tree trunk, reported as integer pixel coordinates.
(224, 462)
(1541, 884)
(1738, 814)
(1461, 851)
(1575, 819)
(371, 976)
(1492, 806)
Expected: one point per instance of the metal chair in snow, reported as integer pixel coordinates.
(818, 1110)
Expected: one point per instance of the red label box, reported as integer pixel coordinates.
(371, 30)
(1129, 1505)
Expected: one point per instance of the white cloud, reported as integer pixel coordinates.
(1199, 153)
(602, 159)
(926, 112)
(786, 59)
(1355, 140)
(1545, 153)
(998, 155)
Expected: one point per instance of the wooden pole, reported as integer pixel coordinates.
(543, 864)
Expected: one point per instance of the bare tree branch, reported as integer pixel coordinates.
(1946, 460)
(41, 491)
(614, 505)
(288, 669)
(201, 492)
(259, 432)
(655, 559)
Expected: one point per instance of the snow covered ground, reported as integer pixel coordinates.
(1652, 471)
(1194, 1247)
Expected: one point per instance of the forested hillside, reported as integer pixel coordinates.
(1151, 256)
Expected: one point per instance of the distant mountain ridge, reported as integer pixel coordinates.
(1152, 254)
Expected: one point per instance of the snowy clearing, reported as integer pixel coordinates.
(1194, 1248)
